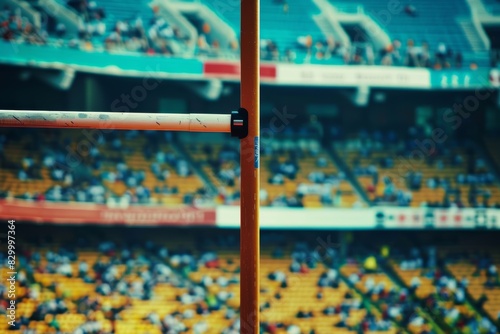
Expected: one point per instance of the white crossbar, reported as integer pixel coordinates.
(115, 121)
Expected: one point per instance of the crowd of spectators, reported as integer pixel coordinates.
(132, 34)
(83, 176)
(323, 49)
(16, 28)
(304, 258)
(419, 56)
(145, 266)
(131, 270)
(134, 269)
(325, 185)
(89, 10)
(387, 158)
(450, 293)
(394, 301)
(81, 171)
(282, 161)
(364, 53)
(157, 36)
(401, 304)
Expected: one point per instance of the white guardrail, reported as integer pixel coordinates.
(367, 218)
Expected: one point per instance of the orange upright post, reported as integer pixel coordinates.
(250, 174)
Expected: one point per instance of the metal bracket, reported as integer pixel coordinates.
(239, 123)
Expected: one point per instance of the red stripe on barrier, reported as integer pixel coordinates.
(268, 71)
(232, 70)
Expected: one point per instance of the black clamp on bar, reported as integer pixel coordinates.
(239, 123)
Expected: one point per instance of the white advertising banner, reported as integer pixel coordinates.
(353, 76)
(368, 218)
(290, 218)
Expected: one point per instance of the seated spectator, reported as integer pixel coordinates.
(442, 54)
(492, 271)
(305, 42)
(293, 329)
(414, 284)
(295, 267)
(369, 285)
(342, 322)
(370, 265)
(329, 310)
(459, 296)
(301, 314)
(289, 56)
(411, 10)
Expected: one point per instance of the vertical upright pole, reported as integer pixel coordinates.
(250, 175)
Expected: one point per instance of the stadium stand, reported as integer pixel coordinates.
(431, 267)
(492, 6)
(164, 280)
(404, 172)
(167, 287)
(90, 280)
(299, 174)
(16, 28)
(478, 268)
(287, 34)
(103, 283)
(460, 294)
(131, 167)
(441, 42)
(389, 296)
(491, 145)
(126, 168)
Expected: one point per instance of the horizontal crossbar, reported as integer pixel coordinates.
(115, 121)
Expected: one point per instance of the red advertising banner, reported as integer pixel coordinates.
(224, 69)
(80, 213)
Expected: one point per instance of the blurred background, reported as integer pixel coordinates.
(380, 162)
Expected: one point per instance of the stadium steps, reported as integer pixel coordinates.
(137, 161)
(14, 153)
(466, 268)
(381, 277)
(25, 9)
(58, 10)
(201, 159)
(125, 10)
(277, 24)
(299, 295)
(208, 180)
(435, 23)
(404, 277)
(476, 288)
(491, 6)
(289, 188)
(487, 148)
(458, 271)
(472, 34)
(402, 165)
(490, 147)
(350, 176)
